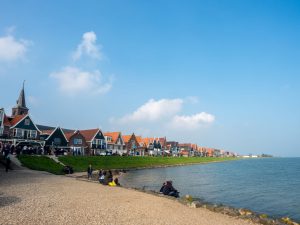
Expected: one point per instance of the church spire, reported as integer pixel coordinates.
(20, 108)
(21, 100)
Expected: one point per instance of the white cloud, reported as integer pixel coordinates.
(192, 121)
(73, 81)
(88, 47)
(12, 49)
(164, 117)
(154, 110)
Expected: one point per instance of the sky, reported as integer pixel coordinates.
(222, 74)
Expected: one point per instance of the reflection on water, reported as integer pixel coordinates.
(269, 186)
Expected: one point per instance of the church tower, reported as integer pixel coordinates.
(20, 108)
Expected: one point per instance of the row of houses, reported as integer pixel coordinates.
(20, 130)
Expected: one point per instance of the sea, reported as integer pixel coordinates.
(264, 185)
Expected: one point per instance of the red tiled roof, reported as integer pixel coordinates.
(89, 134)
(185, 144)
(114, 136)
(148, 140)
(47, 131)
(69, 135)
(6, 121)
(17, 119)
(126, 138)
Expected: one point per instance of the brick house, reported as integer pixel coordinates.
(77, 143)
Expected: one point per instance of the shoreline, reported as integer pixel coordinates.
(242, 213)
(34, 197)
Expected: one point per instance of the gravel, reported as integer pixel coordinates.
(33, 197)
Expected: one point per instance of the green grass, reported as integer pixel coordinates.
(42, 163)
(80, 163)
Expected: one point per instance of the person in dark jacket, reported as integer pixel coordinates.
(110, 176)
(162, 187)
(7, 163)
(90, 171)
(170, 190)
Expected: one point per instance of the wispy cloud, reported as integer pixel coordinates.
(88, 47)
(73, 81)
(12, 49)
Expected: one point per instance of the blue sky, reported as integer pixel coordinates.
(222, 74)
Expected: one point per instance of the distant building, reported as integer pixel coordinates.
(77, 143)
(95, 140)
(115, 143)
(172, 147)
(132, 145)
(19, 128)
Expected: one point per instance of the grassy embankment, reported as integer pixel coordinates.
(42, 163)
(80, 163)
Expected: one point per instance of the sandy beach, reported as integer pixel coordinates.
(33, 197)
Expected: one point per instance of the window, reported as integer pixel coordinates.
(77, 141)
(1, 130)
(32, 134)
(57, 141)
(18, 132)
(27, 122)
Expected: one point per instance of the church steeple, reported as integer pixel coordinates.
(20, 108)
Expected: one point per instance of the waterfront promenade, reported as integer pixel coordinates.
(34, 197)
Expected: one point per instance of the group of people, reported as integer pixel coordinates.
(21, 149)
(168, 189)
(104, 177)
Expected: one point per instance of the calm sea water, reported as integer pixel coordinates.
(269, 185)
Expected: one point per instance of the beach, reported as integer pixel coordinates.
(34, 197)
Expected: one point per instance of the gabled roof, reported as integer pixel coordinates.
(69, 135)
(53, 131)
(18, 118)
(140, 141)
(148, 141)
(43, 127)
(90, 134)
(114, 136)
(126, 138)
(162, 141)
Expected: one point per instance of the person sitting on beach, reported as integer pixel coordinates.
(170, 190)
(105, 179)
(116, 180)
(102, 176)
(110, 176)
(162, 187)
(90, 171)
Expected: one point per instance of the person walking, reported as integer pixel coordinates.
(90, 171)
(7, 162)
